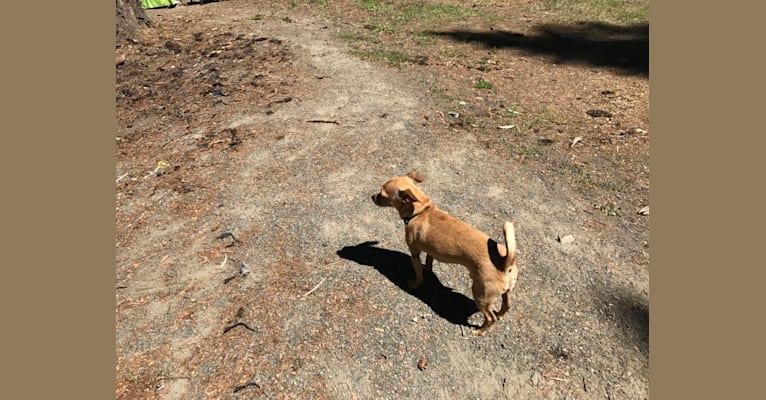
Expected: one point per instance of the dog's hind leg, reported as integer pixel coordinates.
(506, 304)
(484, 303)
(489, 318)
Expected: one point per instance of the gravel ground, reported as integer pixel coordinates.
(223, 102)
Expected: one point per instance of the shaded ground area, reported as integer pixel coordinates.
(596, 44)
(251, 262)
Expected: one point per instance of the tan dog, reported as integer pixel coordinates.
(444, 238)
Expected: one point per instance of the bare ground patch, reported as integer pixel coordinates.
(214, 105)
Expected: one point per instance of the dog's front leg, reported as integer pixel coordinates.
(415, 283)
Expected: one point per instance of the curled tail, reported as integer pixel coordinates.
(510, 244)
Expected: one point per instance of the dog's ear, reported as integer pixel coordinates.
(408, 196)
(416, 176)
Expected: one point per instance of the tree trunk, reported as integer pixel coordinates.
(130, 16)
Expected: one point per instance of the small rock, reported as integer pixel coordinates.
(422, 363)
(535, 378)
(633, 131)
(173, 46)
(599, 113)
(566, 239)
(453, 114)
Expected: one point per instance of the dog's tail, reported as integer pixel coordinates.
(510, 244)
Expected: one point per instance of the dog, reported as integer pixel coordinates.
(492, 267)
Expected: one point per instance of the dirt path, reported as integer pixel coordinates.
(322, 309)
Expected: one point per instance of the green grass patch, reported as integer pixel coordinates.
(424, 37)
(393, 58)
(412, 14)
(450, 52)
(585, 181)
(440, 92)
(526, 151)
(374, 5)
(610, 209)
(482, 84)
(540, 118)
(614, 11)
(425, 12)
(358, 37)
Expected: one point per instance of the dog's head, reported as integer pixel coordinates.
(402, 194)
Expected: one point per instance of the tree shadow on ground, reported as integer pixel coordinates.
(594, 43)
(630, 312)
(397, 268)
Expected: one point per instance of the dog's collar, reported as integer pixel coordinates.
(408, 219)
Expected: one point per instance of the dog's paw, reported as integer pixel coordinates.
(478, 331)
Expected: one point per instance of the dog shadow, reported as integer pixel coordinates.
(397, 267)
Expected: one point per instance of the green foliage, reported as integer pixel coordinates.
(482, 84)
(393, 58)
(614, 11)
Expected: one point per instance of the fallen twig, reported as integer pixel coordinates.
(121, 177)
(283, 100)
(225, 258)
(245, 386)
(227, 235)
(323, 121)
(315, 288)
(236, 324)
